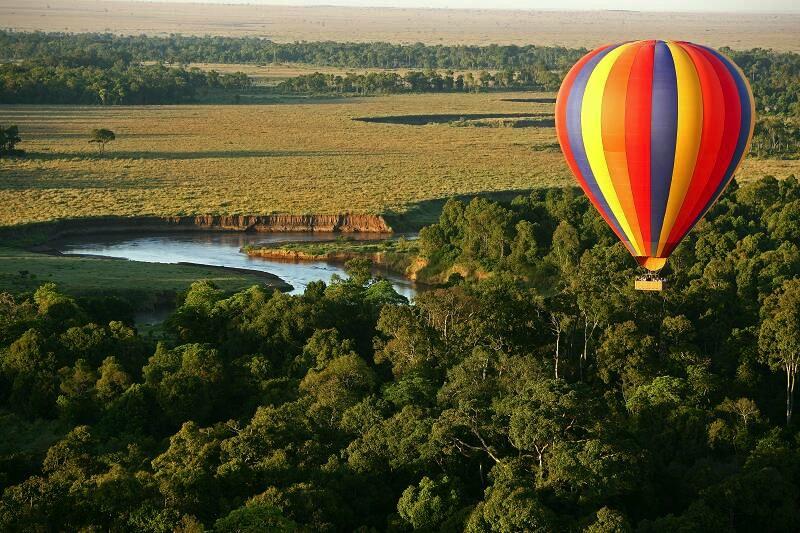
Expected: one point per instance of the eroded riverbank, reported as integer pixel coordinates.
(39, 232)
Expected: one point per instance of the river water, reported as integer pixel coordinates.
(222, 249)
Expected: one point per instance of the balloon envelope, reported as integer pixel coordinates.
(654, 131)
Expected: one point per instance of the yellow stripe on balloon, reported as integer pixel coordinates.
(592, 133)
(690, 132)
(613, 122)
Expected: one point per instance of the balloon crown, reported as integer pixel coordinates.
(654, 131)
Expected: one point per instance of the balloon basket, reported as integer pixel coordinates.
(649, 282)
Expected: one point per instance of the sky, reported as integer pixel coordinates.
(762, 6)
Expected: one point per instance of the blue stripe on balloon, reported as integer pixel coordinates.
(574, 131)
(663, 137)
(744, 129)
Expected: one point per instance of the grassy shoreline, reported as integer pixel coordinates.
(395, 254)
(145, 285)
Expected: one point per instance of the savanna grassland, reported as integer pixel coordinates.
(309, 157)
(295, 158)
(398, 25)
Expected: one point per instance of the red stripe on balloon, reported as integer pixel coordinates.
(638, 104)
(710, 141)
(613, 136)
(730, 135)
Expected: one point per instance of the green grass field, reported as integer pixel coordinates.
(293, 158)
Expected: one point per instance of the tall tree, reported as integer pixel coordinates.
(779, 339)
(9, 137)
(101, 137)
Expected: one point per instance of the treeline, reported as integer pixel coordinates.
(775, 77)
(529, 78)
(60, 68)
(775, 80)
(95, 49)
(550, 396)
(32, 82)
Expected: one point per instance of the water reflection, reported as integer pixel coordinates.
(221, 249)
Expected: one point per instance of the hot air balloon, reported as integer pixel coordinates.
(654, 131)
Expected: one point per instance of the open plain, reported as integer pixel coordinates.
(431, 26)
(309, 157)
(293, 158)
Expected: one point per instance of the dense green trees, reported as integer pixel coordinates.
(779, 339)
(775, 80)
(111, 69)
(533, 77)
(776, 136)
(130, 83)
(107, 69)
(774, 76)
(107, 49)
(35, 82)
(347, 408)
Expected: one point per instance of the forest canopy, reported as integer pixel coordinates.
(48, 58)
(534, 391)
(31, 82)
(106, 49)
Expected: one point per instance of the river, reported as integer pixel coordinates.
(222, 249)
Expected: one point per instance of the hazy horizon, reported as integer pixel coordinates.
(722, 6)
